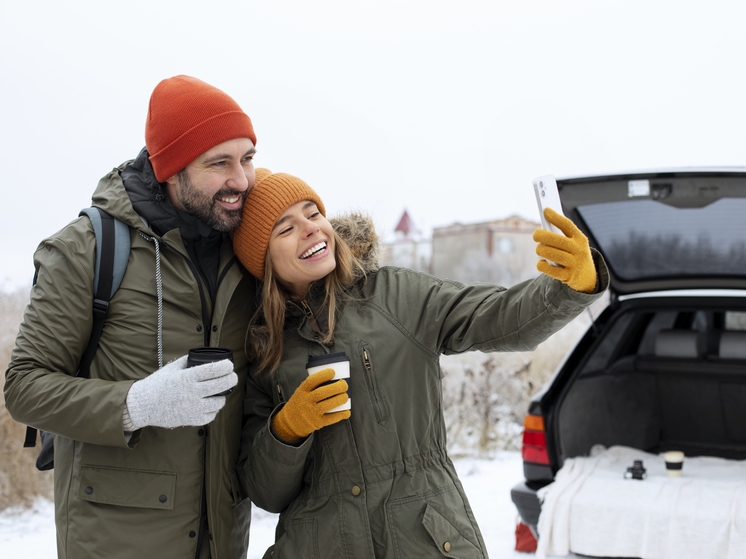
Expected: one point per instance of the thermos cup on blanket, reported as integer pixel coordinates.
(341, 365)
(202, 355)
(674, 462)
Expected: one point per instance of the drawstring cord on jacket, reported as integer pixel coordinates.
(159, 291)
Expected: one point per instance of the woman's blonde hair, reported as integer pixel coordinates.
(264, 338)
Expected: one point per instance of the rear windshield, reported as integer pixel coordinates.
(644, 239)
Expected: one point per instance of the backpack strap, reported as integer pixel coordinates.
(112, 254)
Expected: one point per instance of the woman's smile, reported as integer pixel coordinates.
(316, 251)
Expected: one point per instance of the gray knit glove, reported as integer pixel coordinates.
(175, 396)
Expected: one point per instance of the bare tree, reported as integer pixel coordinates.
(486, 396)
(20, 482)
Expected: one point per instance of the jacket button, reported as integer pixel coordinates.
(210, 537)
(447, 546)
(89, 490)
(214, 328)
(192, 534)
(163, 498)
(355, 490)
(201, 432)
(199, 328)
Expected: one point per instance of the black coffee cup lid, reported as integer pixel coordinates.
(326, 359)
(202, 355)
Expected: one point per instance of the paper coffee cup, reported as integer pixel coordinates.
(674, 462)
(341, 365)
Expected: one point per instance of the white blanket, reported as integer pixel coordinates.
(591, 509)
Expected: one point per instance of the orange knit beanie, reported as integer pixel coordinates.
(273, 193)
(186, 117)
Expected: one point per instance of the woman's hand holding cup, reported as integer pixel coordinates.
(306, 410)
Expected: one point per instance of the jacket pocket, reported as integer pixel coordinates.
(299, 540)
(127, 488)
(371, 378)
(432, 526)
(446, 538)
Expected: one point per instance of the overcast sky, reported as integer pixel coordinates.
(447, 109)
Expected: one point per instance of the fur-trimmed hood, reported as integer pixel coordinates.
(358, 230)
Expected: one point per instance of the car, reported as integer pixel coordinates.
(663, 365)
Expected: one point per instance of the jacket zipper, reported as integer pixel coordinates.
(203, 523)
(228, 266)
(378, 407)
(279, 392)
(312, 319)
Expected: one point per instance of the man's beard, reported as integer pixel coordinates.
(208, 209)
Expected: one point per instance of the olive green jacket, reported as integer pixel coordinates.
(141, 498)
(381, 484)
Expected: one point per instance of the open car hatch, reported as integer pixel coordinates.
(663, 230)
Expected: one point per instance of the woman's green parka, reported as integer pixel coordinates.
(141, 498)
(381, 484)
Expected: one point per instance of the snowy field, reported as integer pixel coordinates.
(487, 483)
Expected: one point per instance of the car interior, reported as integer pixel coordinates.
(661, 379)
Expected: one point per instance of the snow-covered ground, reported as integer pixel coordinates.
(487, 483)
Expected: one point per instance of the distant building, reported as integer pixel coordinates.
(408, 248)
(500, 251)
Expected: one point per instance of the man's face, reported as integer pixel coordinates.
(214, 186)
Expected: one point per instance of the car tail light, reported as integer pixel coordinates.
(534, 440)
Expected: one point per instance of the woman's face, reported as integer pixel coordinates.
(301, 248)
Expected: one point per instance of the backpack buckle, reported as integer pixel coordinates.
(100, 308)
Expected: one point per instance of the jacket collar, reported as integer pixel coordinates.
(150, 201)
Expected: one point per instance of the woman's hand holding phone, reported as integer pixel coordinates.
(570, 251)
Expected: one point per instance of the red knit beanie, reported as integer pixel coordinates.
(273, 193)
(187, 117)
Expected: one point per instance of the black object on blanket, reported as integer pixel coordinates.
(636, 471)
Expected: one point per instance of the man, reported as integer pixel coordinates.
(144, 453)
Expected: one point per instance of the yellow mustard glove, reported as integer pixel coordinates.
(571, 252)
(305, 411)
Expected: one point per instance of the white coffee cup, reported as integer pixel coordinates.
(341, 365)
(674, 462)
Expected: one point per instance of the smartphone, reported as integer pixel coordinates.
(547, 196)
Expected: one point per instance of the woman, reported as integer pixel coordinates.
(376, 480)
